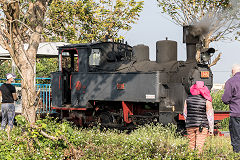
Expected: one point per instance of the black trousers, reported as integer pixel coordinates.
(234, 128)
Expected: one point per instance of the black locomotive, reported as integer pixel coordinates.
(115, 84)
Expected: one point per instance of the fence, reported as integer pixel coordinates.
(45, 95)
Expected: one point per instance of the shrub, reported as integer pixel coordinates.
(218, 105)
(65, 141)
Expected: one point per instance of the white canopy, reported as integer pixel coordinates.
(45, 49)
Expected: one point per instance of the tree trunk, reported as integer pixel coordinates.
(28, 93)
(207, 41)
(28, 82)
(12, 37)
(25, 62)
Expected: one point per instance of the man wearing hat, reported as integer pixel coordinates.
(8, 92)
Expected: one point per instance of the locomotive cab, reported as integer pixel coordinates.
(76, 63)
(61, 86)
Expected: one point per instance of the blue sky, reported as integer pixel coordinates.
(154, 26)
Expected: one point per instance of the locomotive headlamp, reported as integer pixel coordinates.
(206, 54)
(205, 57)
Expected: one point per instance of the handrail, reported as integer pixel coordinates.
(43, 78)
(13, 83)
(36, 84)
(20, 79)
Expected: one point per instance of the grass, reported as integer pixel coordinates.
(146, 142)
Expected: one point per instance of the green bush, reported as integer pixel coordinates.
(218, 105)
(65, 141)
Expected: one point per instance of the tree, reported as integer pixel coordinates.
(219, 18)
(22, 22)
(25, 21)
(45, 66)
(88, 20)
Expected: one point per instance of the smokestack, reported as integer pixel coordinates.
(191, 36)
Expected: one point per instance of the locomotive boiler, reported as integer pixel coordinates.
(115, 84)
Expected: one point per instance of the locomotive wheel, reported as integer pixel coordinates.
(105, 118)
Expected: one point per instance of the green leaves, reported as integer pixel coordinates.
(218, 105)
(21, 121)
(88, 20)
(45, 66)
(146, 142)
(217, 101)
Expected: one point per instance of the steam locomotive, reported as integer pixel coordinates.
(117, 85)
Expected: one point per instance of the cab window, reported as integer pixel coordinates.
(70, 61)
(95, 57)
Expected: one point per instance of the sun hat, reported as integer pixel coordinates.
(10, 75)
(199, 88)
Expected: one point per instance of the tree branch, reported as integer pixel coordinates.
(215, 60)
